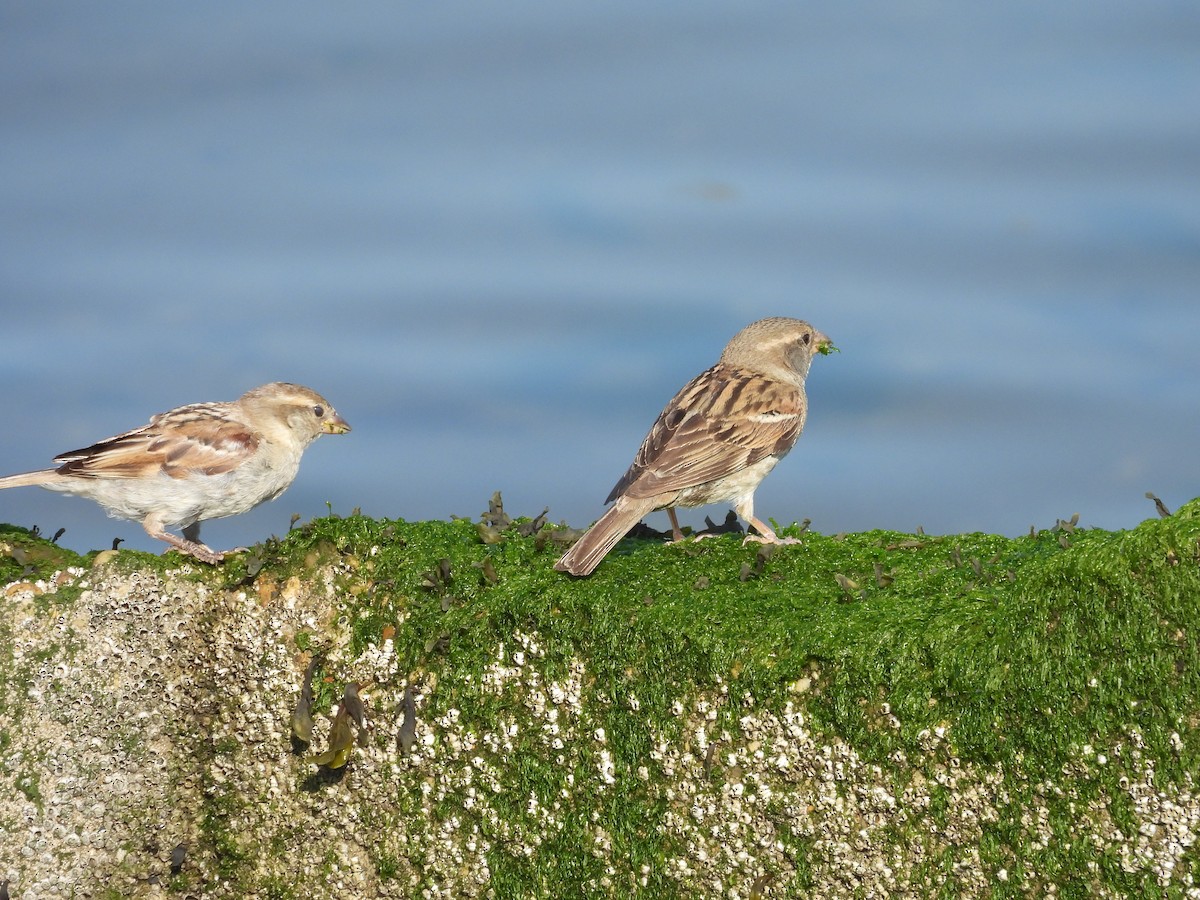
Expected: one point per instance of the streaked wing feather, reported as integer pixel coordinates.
(191, 439)
(722, 421)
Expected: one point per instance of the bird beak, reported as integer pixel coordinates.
(336, 425)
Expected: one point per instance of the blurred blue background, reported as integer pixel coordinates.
(499, 237)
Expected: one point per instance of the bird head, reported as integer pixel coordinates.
(779, 347)
(305, 412)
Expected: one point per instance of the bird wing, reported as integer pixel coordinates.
(722, 421)
(201, 438)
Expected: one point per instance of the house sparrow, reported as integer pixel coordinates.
(717, 439)
(197, 462)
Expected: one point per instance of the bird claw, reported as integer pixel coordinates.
(198, 551)
(689, 538)
(212, 557)
(773, 539)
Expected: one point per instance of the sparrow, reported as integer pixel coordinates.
(716, 439)
(197, 462)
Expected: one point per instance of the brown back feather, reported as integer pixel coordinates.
(189, 439)
(709, 431)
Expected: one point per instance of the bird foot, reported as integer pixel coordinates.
(769, 539)
(197, 550)
(682, 538)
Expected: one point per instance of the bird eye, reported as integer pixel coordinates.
(319, 412)
(807, 338)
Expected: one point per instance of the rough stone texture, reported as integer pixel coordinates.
(150, 713)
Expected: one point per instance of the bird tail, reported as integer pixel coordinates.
(40, 478)
(587, 552)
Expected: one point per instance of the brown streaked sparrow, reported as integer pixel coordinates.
(197, 462)
(716, 439)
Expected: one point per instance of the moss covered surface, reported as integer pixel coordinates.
(874, 714)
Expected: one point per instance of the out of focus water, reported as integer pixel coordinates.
(499, 237)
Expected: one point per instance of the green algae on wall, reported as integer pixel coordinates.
(867, 714)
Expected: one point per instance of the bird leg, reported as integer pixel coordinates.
(189, 544)
(676, 531)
